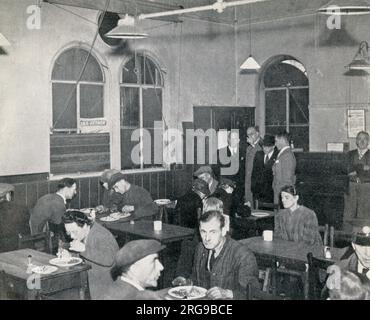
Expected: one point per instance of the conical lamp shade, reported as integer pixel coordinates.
(346, 7)
(250, 64)
(3, 41)
(126, 29)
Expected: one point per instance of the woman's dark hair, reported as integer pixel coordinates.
(77, 216)
(117, 271)
(207, 216)
(293, 191)
(66, 182)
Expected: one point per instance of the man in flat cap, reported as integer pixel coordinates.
(262, 176)
(13, 219)
(357, 259)
(206, 174)
(136, 268)
(110, 199)
(130, 195)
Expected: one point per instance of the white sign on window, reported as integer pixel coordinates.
(356, 122)
(94, 125)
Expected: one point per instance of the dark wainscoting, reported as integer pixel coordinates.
(322, 181)
(163, 184)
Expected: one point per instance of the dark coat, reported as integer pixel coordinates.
(187, 209)
(354, 164)
(262, 177)
(121, 290)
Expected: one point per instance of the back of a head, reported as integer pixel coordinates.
(213, 204)
(66, 182)
(284, 134)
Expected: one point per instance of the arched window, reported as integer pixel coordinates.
(141, 106)
(79, 140)
(286, 89)
(77, 89)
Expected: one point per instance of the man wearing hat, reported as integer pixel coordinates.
(13, 219)
(206, 174)
(131, 195)
(136, 268)
(262, 176)
(225, 192)
(357, 259)
(109, 197)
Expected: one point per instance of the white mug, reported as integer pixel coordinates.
(268, 235)
(157, 225)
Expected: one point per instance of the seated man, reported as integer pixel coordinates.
(189, 204)
(51, 208)
(206, 174)
(132, 195)
(109, 197)
(225, 192)
(221, 264)
(13, 219)
(357, 259)
(136, 267)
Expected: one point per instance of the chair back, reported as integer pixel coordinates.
(317, 276)
(7, 287)
(264, 205)
(41, 242)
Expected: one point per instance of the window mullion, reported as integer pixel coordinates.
(287, 110)
(141, 128)
(78, 98)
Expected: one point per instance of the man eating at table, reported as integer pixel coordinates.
(132, 195)
(136, 267)
(221, 264)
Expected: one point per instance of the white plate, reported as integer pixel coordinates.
(162, 202)
(260, 214)
(182, 292)
(73, 261)
(115, 216)
(44, 269)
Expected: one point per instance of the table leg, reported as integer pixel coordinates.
(305, 284)
(84, 288)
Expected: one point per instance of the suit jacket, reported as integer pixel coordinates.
(121, 290)
(249, 160)
(354, 164)
(284, 172)
(239, 176)
(262, 177)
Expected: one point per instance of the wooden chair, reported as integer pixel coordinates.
(258, 294)
(41, 242)
(264, 205)
(316, 276)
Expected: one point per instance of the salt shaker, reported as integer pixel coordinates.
(29, 264)
(327, 253)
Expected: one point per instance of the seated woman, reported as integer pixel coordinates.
(96, 245)
(296, 222)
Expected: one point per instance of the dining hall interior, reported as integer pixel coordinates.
(101, 99)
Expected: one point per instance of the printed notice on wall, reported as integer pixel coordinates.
(356, 121)
(95, 125)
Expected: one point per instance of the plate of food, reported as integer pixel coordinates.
(187, 292)
(65, 262)
(162, 202)
(126, 209)
(260, 214)
(115, 216)
(46, 269)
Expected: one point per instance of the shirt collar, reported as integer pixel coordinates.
(361, 152)
(133, 283)
(63, 197)
(270, 153)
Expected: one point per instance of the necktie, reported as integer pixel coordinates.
(266, 158)
(211, 259)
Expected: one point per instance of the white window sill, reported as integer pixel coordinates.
(53, 177)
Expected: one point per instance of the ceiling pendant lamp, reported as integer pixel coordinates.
(346, 7)
(126, 29)
(361, 61)
(250, 63)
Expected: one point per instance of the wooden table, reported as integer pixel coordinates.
(30, 286)
(142, 229)
(289, 253)
(252, 226)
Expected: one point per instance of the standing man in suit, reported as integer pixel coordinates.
(356, 202)
(284, 166)
(255, 144)
(262, 176)
(231, 165)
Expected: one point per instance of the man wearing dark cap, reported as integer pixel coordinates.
(206, 174)
(136, 268)
(262, 176)
(225, 192)
(358, 259)
(131, 195)
(13, 219)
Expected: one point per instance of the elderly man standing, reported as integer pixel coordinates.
(206, 174)
(136, 268)
(51, 208)
(255, 144)
(357, 202)
(132, 195)
(221, 264)
(284, 167)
